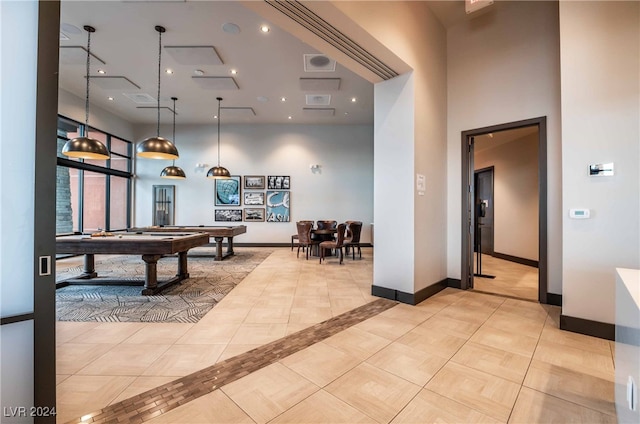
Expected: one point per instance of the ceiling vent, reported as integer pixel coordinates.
(215, 83)
(318, 99)
(155, 108)
(320, 84)
(77, 55)
(237, 112)
(194, 55)
(114, 82)
(141, 98)
(318, 63)
(318, 112)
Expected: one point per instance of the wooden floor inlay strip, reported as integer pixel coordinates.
(164, 398)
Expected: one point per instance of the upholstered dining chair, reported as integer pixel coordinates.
(352, 239)
(304, 237)
(295, 236)
(336, 244)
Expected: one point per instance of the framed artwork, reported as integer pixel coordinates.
(279, 182)
(228, 215)
(164, 206)
(278, 206)
(254, 182)
(254, 214)
(228, 191)
(254, 198)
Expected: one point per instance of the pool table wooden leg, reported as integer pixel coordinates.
(183, 273)
(218, 248)
(89, 270)
(151, 273)
(229, 246)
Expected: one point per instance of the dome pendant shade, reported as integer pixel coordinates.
(85, 148)
(157, 148)
(173, 172)
(218, 172)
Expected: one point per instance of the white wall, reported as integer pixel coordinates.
(73, 107)
(503, 66)
(600, 124)
(412, 32)
(341, 190)
(515, 195)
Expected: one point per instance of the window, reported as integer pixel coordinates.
(92, 194)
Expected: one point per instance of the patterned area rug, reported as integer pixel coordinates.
(209, 281)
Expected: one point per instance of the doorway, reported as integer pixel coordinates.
(479, 212)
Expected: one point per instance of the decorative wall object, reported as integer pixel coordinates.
(278, 182)
(254, 214)
(254, 182)
(228, 215)
(228, 191)
(254, 198)
(164, 204)
(278, 206)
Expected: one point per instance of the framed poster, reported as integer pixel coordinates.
(254, 198)
(278, 206)
(254, 214)
(279, 182)
(254, 182)
(228, 215)
(228, 191)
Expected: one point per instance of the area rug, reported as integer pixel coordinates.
(209, 281)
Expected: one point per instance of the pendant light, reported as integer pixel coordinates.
(85, 147)
(218, 172)
(157, 147)
(173, 171)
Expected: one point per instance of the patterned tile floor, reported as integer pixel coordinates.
(456, 357)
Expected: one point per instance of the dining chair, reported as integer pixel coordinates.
(304, 237)
(324, 225)
(336, 244)
(295, 236)
(352, 239)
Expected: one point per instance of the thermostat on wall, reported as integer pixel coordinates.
(579, 213)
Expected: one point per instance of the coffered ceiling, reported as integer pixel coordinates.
(204, 42)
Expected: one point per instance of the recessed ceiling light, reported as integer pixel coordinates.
(215, 116)
(265, 28)
(346, 113)
(169, 71)
(199, 72)
(110, 98)
(353, 100)
(283, 99)
(290, 117)
(234, 72)
(102, 71)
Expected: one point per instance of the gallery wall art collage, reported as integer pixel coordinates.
(271, 205)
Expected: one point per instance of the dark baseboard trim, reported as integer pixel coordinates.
(455, 283)
(588, 327)
(236, 244)
(554, 299)
(409, 298)
(16, 318)
(523, 261)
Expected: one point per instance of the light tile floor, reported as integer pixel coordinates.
(457, 357)
(511, 279)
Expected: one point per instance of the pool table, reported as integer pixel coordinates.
(217, 232)
(152, 246)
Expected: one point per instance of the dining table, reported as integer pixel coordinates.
(325, 234)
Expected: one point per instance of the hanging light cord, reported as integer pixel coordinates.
(174, 124)
(86, 104)
(159, 74)
(219, 99)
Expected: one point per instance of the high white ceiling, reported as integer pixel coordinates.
(269, 65)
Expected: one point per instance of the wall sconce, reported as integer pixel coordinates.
(315, 168)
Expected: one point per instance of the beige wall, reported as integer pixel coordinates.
(515, 195)
(504, 66)
(600, 123)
